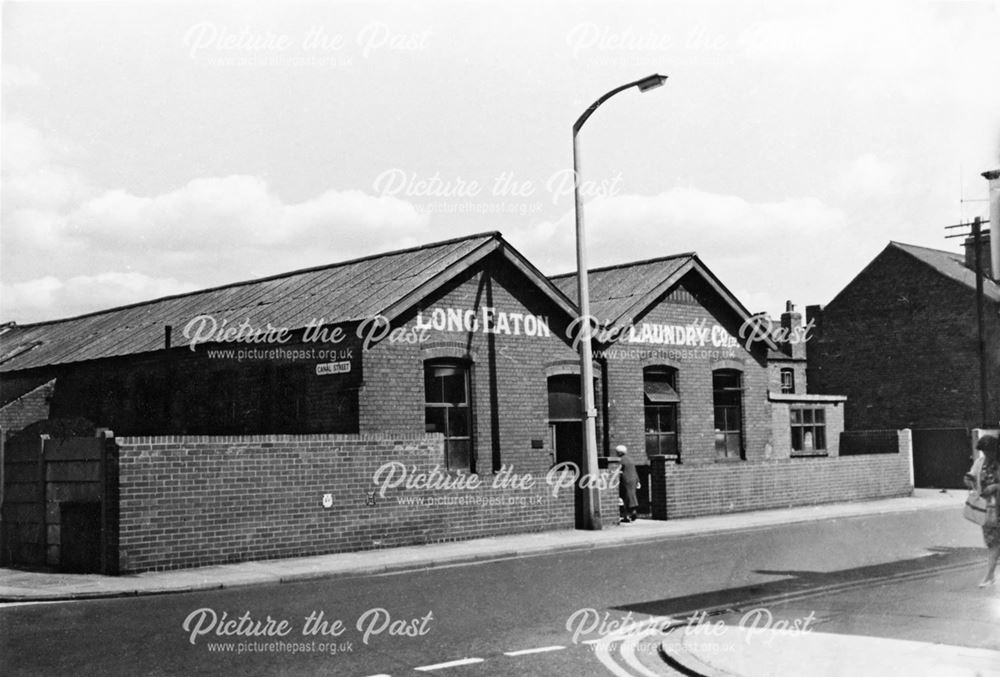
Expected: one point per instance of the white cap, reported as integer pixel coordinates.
(621, 449)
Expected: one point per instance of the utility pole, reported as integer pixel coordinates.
(977, 243)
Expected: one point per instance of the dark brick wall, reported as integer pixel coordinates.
(184, 392)
(900, 342)
(190, 501)
(780, 483)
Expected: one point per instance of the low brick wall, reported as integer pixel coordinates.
(191, 501)
(719, 488)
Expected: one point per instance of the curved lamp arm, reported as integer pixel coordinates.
(645, 84)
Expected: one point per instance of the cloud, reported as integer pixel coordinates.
(35, 298)
(868, 175)
(209, 231)
(19, 76)
(679, 220)
(763, 251)
(218, 214)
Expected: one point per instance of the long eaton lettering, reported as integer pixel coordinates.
(488, 320)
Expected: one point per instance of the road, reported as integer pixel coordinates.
(551, 612)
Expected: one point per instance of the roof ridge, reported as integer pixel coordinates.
(930, 249)
(492, 234)
(629, 264)
(954, 257)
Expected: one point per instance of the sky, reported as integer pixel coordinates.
(151, 148)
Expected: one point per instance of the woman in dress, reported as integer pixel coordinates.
(989, 488)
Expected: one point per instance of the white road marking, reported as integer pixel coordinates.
(525, 652)
(628, 652)
(449, 664)
(603, 653)
(629, 636)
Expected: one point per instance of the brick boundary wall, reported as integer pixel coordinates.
(719, 488)
(193, 501)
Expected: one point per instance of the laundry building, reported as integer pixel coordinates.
(415, 396)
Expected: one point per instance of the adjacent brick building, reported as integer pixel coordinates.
(901, 342)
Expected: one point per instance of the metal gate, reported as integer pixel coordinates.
(941, 456)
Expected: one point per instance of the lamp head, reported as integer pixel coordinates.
(652, 82)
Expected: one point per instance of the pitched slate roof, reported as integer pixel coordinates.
(621, 293)
(386, 284)
(951, 265)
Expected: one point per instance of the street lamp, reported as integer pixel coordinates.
(590, 508)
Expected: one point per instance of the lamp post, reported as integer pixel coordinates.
(590, 508)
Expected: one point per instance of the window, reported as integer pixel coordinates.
(446, 389)
(727, 396)
(808, 429)
(566, 417)
(787, 380)
(564, 398)
(661, 400)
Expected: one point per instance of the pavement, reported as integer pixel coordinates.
(770, 653)
(938, 624)
(29, 586)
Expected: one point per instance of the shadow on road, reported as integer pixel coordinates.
(796, 583)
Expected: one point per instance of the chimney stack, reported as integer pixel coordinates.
(970, 253)
(791, 323)
(994, 178)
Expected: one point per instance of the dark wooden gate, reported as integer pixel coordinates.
(941, 457)
(23, 510)
(60, 503)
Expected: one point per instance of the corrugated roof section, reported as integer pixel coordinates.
(341, 292)
(615, 289)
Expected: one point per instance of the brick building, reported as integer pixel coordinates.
(901, 341)
(695, 382)
(235, 410)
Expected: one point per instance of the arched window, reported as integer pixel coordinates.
(727, 397)
(447, 411)
(661, 401)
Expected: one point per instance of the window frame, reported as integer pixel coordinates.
(450, 408)
(789, 387)
(732, 415)
(669, 375)
(816, 425)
